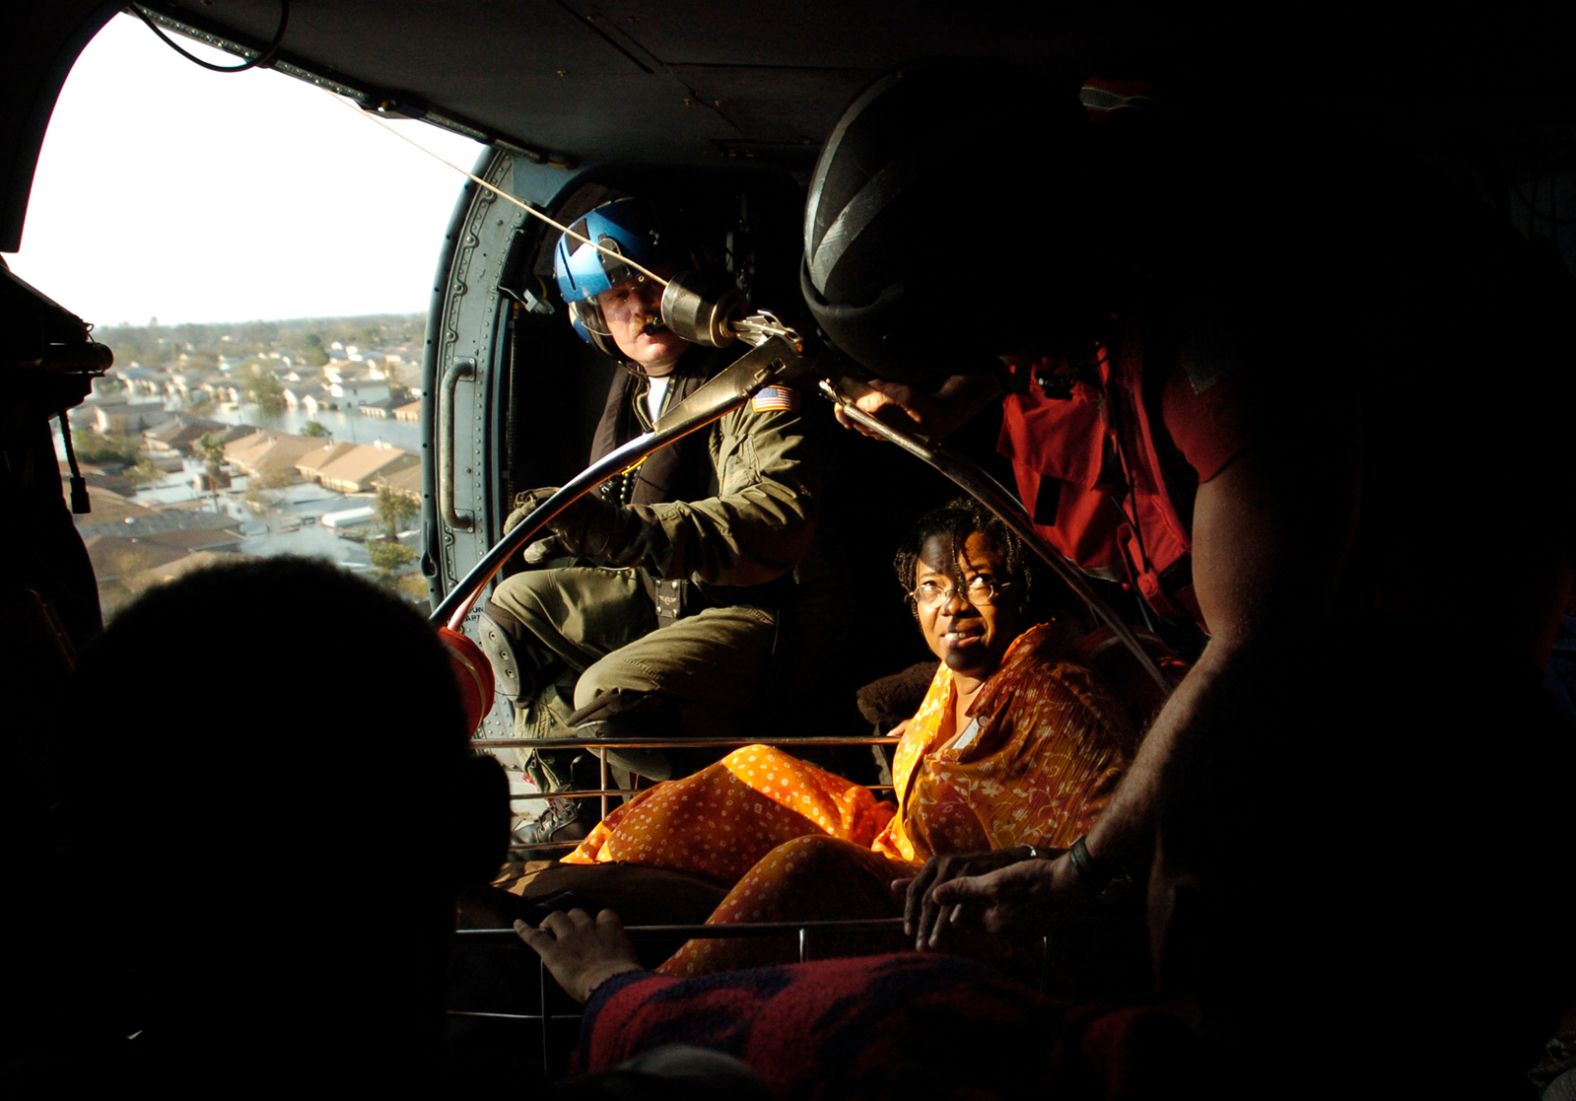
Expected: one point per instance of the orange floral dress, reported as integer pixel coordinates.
(1037, 763)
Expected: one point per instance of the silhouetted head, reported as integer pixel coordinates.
(267, 783)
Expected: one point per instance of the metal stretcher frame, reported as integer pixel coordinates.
(803, 930)
(738, 930)
(605, 792)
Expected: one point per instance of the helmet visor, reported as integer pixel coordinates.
(634, 301)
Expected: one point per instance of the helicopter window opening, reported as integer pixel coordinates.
(261, 264)
(261, 59)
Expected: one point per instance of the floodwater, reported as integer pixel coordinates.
(346, 427)
(290, 524)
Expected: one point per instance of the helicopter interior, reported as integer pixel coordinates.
(718, 112)
(726, 109)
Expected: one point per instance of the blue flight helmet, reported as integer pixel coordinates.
(627, 227)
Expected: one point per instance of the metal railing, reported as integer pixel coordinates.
(544, 1018)
(803, 931)
(605, 791)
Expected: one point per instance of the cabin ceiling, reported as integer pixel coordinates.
(694, 80)
(699, 82)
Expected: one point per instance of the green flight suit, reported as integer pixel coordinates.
(590, 629)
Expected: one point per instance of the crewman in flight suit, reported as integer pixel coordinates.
(685, 565)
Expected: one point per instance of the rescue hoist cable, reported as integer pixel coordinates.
(987, 491)
(773, 361)
(778, 355)
(498, 191)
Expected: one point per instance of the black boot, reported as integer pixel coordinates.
(563, 818)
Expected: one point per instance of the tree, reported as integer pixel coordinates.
(316, 355)
(108, 447)
(264, 389)
(260, 489)
(211, 452)
(316, 430)
(143, 471)
(389, 558)
(393, 509)
(413, 587)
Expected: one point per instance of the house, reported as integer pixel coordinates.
(142, 580)
(223, 390)
(115, 556)
(97, 478)
(311, 464)
(129, 417)
(108, 508)
(410, 412)
(142, 381)
(359, 391)
(125, 519)
(179, 383)
(381, 410)
(406, 481)
(269, 453)
(353, 471)
(349, 517)
(296, 394)
(181, 434)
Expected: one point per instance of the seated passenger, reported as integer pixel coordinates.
(1013, 745)
(221, 914)
(669, 621)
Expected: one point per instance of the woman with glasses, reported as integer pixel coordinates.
(1013, 745)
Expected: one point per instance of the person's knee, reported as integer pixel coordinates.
(511, 630)
(810, 858)
(519, 601)
(613, 675)
(502, 639)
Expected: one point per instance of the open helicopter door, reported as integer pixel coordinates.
(469, 421)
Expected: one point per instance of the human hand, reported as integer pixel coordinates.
(581, 953)
(595, 528)
(926, 918)
(525, 503)
(1018, 897)
(542, 550)
(896, 404)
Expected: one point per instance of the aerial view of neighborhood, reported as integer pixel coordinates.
(268, 437)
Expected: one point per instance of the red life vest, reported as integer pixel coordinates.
(1101, 480)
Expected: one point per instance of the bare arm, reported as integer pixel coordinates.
(1270, 535)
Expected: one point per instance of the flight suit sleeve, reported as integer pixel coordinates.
(761, 521)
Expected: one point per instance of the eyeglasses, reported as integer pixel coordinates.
(980, 591)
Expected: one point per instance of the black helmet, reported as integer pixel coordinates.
(899, 250)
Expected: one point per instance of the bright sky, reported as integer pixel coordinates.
(165, 190)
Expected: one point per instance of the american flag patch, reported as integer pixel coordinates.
(770, 398)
